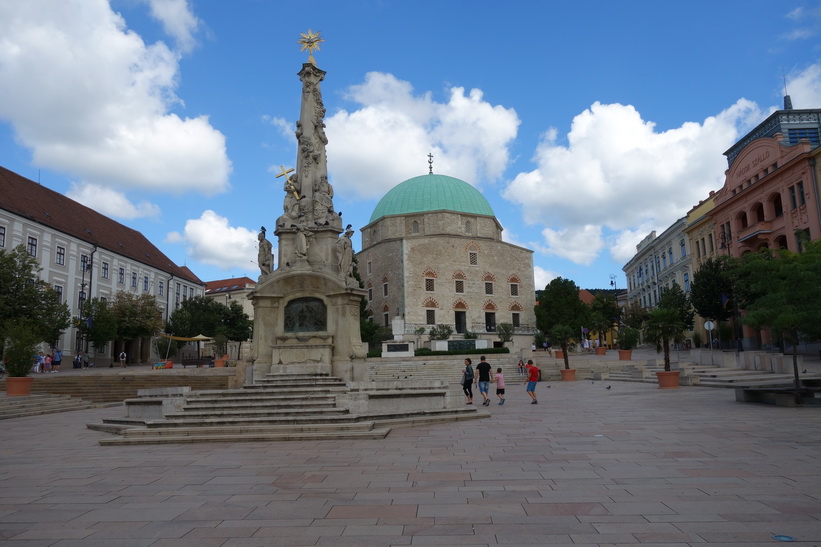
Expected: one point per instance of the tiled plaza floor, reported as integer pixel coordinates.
(586, 466)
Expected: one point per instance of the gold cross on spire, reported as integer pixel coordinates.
(310, 40)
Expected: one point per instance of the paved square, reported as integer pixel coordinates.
(586, 466)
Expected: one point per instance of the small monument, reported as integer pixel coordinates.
(306, 310)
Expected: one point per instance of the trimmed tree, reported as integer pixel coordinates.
(664, 325)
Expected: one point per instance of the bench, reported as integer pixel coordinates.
(199, 363)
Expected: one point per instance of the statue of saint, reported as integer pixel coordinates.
(265, 256)
(302, 235)
(344, 249)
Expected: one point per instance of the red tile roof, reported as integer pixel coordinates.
(228, 285)
(44, 206)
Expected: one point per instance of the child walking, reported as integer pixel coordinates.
(500, 385)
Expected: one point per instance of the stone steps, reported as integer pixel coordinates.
(34, 405)
(265, 413)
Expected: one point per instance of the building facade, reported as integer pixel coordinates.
(432, 253)
(660, 262)
(85, 255)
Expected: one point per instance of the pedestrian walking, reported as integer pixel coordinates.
(467, 381)
(122, 359)
(483, 368)
(499, 379)
(532, 379)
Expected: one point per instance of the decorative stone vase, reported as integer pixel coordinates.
(568, 374)
(625, 354)
(559, 354)
(19, 387)
(601, 351)
(668, 379)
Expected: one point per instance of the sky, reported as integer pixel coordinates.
(585, 124)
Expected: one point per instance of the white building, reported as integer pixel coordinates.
(84, 255)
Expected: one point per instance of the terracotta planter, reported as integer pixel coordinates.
(601, 351)
(559, 354)
(668, 380)
(219, 363)
(568, 374)
(18, 387)
(625, 354)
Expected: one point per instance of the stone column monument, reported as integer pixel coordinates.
(306, 311)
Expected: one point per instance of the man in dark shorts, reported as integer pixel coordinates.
(483, 368)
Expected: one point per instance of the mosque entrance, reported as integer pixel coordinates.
(461, 321)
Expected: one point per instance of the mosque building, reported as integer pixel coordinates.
(432, 253)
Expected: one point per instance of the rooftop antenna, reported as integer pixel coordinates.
(430, 164)
(787, 99)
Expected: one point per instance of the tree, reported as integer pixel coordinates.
(635, 315)
(711, 289)
(20, 347)
(25, 297)
(559, 304)
(238, 327)
(198, 315)
(675, 299)
(505, 332)
(136, 316)
(604, 314)
(562, 334)
(96, 323)
(784, 294)
(664, 325)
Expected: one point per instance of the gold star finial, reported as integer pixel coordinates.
(310, 40)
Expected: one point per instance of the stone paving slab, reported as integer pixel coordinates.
(633, 465)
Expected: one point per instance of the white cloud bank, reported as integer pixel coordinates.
(211, 239)
(388, 139)
(618, 173)
(89, 97)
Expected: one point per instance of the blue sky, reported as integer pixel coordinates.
(586, 125)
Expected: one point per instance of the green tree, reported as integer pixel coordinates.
(96, 323)
(784, 294)
(238, 327)
(675, 299)
(198, 315)
(604, 314)
(562, 334)
(664, 325)
(559, 304)
(505, 332)
(136, 316)
(711, 289)
(635, 315)
(25, 297)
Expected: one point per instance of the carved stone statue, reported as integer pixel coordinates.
(344, 250)
(302, 235)
(265, 256)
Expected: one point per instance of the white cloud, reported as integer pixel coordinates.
(177, 20)
(90, 98)
(542, 277)
(805, 87)
(388, 139)
(623, 244)
(618, 172)
(212, 240)
(111, 202)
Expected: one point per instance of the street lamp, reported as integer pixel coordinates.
(613, 281)
(726, 242)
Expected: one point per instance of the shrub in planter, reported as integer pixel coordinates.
(20, 347)
(627, 338)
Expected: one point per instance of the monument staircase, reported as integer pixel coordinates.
(33, 405)
(711, 375)
(278, 407)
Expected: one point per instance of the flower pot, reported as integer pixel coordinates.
(568, 374)
(18, 387)
(668, 380)
(219, 363)
(559, 354)
(625, 354)
(601, 351)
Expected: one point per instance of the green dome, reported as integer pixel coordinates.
(432, 193)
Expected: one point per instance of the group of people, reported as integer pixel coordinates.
(48, 363)
(483, 376)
